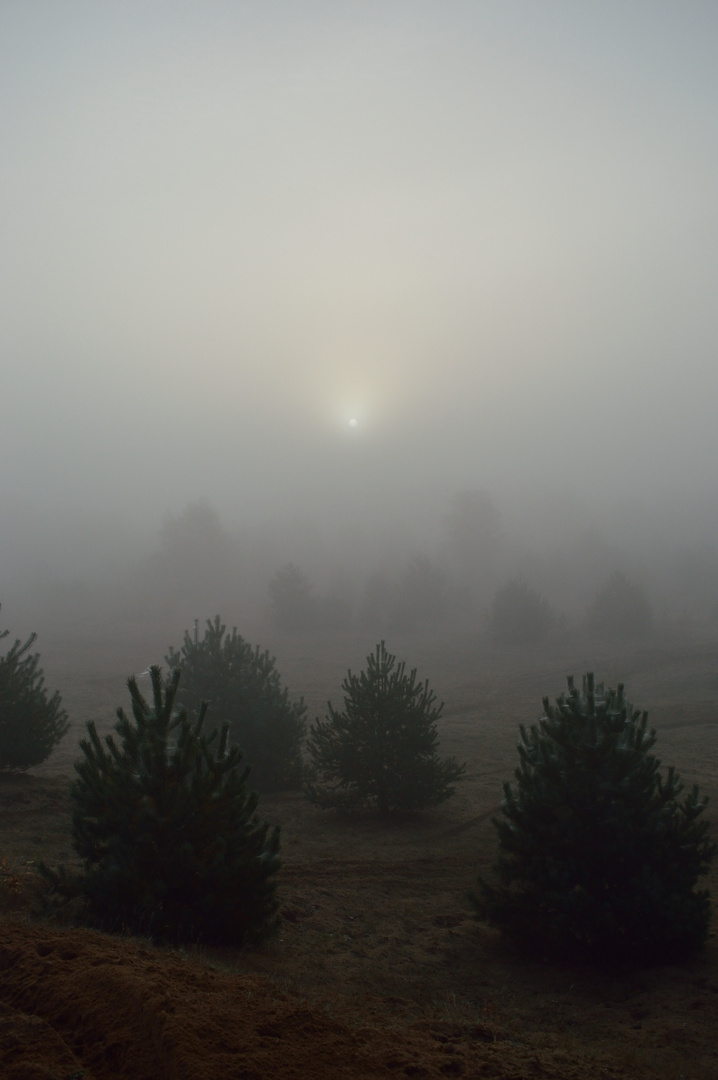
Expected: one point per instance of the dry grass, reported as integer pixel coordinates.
(375, 916)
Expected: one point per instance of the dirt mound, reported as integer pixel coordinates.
(81, 1004)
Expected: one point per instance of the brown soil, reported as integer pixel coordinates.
(379, 968)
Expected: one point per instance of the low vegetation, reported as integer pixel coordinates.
(380, 751)
(600, 854)
(32, 722)
(243, 690)
(167, 831)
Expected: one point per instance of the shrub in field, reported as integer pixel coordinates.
(167, 831)
(380, 752)
(243, 689)
(620, 608)
(32, 723)
(519, 615)
(600, 854)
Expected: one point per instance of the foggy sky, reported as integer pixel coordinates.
(486, 231)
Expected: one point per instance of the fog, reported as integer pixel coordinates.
(283, 284)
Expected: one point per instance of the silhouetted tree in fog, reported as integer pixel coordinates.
(473, 532)
(620, 609)
(519, 615)
(292, 600)
(197, 564)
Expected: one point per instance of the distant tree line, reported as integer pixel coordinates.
(478, 573)
(518, 614)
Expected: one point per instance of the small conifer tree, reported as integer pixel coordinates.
(381, 751)
(167, 831)
(599, 853)
(32, 723)
(243, 688)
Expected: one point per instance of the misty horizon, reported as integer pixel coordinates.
(325, 270)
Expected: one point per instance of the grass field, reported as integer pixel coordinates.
(377, 929)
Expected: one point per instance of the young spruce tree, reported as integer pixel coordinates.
(599, 853)
(31, 722)
(381, 751)
(168, 833)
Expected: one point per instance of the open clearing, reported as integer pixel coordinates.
(379, 968)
